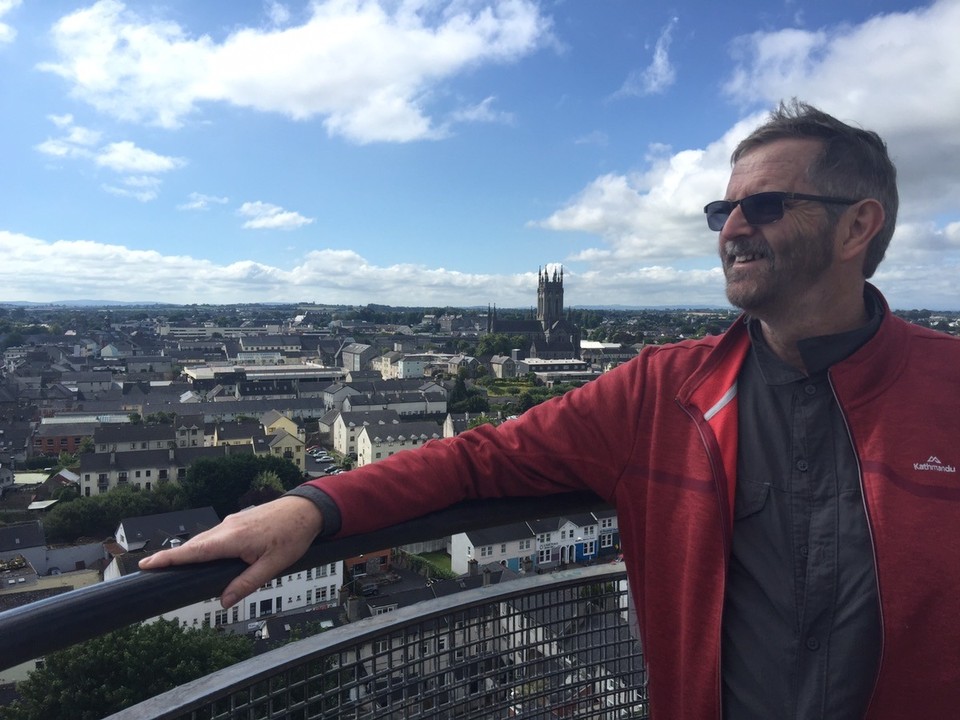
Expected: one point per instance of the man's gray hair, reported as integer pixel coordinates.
(853, 163)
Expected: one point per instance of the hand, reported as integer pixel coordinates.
(267, 537)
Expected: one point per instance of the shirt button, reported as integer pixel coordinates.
(813, 643)
(802, 465)
(804, 550)
(810, 389)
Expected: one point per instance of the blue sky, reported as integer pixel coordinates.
(428, 152)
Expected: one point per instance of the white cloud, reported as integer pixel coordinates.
(659, 74)
(7, 33)
(113, 272)
(597, 137)
(366, 67)
(278, 13)
(264, 216)
(139, 187)
(125, 156)
(199, 201)
(482, 112)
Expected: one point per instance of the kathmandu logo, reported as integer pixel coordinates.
(933, 464)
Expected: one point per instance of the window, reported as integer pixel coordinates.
(524, 544)
(309, 573)
(486, 551)
(544, 555)
(606, 523)
(590, 548)
(136, 473)
(503, 548)
(606, 540)
(309, 596)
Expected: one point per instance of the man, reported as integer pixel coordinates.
(787, 492)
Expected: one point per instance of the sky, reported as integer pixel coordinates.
(440, 152)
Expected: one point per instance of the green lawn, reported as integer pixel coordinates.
(438, 558)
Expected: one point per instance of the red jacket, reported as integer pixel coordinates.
(657, 437)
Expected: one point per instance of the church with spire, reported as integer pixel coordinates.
(551, 336)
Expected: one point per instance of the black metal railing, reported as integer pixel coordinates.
(57, 622)
(558, 645)
(550, 646)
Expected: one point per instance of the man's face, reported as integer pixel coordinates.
(769, 268)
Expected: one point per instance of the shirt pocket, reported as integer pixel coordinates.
(750, 498)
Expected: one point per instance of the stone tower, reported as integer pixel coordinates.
(549, 297)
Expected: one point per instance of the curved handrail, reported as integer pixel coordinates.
(57, 622)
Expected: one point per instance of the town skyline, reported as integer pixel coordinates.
(441, 152)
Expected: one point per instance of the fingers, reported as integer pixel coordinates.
(194, 551)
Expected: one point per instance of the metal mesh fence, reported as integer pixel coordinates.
(553, 646)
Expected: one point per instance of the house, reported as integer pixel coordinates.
(357, 356)
(89, 384)
(348, 425)
(25, 539)
(189, 430)
(101, 472)
(404, 403)
(503, 366)
(6, 476)
(164, 530)
(128, 437)
(238, 432)
(376, 442)
(274, 421)
(283, 444)
(53, 438)
(540, 544)
(512, 546)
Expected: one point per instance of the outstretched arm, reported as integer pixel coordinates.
(267, 537)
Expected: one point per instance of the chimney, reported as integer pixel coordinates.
(472, 567)
(353, 608)
(486, 576)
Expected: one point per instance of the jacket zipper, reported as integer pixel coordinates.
(726, 533)
(873, 546)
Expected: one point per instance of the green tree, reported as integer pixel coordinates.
(222, 482)
(102, 676)
(99, 515)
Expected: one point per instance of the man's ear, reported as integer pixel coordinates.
(858, 226)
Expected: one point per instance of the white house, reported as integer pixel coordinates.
(349, 424)
(513, 546)
(376, 442)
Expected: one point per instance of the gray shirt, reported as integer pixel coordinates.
(801, 632)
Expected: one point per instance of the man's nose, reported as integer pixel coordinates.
(736, 225)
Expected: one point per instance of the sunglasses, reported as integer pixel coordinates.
(761, 209)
